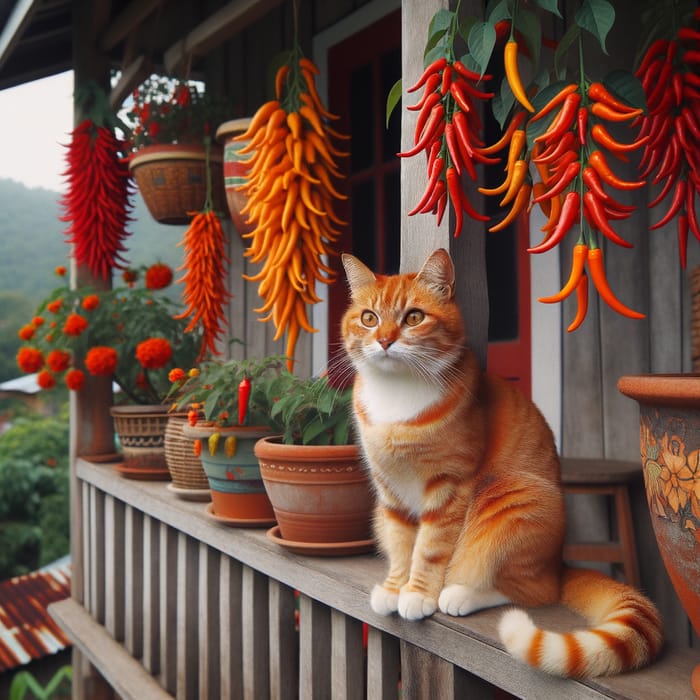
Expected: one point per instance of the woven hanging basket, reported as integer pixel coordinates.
(185, 467)
(172, 180)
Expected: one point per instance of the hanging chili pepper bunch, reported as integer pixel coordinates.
(205, 265)
(669, 75)
(448, 131)
(292, 198)
(96, 203)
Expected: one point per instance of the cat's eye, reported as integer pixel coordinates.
(414, 317)
(369, 319)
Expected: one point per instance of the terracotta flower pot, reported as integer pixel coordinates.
(319, 493)
(669, 416)
(235, 170)
(172, 179)
(141, 433)
(237, 490)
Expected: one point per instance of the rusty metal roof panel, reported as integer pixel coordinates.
(27, 631)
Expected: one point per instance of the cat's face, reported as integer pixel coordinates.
(402, 323)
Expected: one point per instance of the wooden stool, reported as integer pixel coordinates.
(613, 478)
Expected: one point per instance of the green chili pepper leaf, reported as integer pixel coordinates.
(434, 53)
(498, 11)
(440, 22)
(627, 87)
(549, 6)
(502, 103)
(481, 41)
(570, 37)
(596, 17)
(393, 98)
(529, 26)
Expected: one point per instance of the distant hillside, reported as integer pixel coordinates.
(33, 240)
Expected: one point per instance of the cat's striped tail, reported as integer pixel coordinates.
(625, 630)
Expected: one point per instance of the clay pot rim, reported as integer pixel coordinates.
(231, 127)
(672, 389)
(173, 151)
(272, 447)
(239, 431)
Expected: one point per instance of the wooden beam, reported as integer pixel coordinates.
(132, 76)
(214, 30)
(15, 26)
(127, 21)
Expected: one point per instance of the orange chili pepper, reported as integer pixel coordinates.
(522, 199)
(579, 255)
(514, 124)
(603, 111)
(582, 298)
(596, 269)
(599, 163)
(510, 60)
(597, 92)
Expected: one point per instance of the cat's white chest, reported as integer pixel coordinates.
(394, 398)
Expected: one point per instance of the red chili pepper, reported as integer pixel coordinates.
(595, 215)
(431, 85)
(454, 188)
(555, 101)
(551, 153)
(570, 211)
(243, 398)
(433, 130)
(434, 67)
(664, 191)
(446, 79)
(424, 114)
(468, 74)
(658, 48)
(564, 119)
(605, 139)
(425, 203)
(452, 147)
(572, 170)
(679, 197)
(582, 124)
(462, 100)
(597, 92)
(603, 111)
(596, 269)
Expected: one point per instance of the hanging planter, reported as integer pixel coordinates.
(172, 179)
(235, 169)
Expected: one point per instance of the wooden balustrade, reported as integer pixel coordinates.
(175, 605)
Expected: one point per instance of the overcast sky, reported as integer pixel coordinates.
(35, 124)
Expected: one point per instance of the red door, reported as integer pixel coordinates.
(362, 70)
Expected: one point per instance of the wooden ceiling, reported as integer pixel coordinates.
(37, 36)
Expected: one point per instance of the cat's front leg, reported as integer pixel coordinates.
(396, 534)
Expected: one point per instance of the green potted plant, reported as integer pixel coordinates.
(229, 407)
(128, 333)
(170, 126)
(312, 470)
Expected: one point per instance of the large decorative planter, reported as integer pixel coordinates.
(172, 179)
(669, 418)
(235, 170)
(237, 491)
(189, 481)
(141, 433)
(321, 495)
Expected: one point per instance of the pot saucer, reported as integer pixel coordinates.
(236, 522)
(143, 473)
(189, 494)
(321, 549)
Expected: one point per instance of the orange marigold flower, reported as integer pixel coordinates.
(54, 306)
(58, 360)
(158, 276)
(154, 353)
(176, 375)
(194, 372)
(101, 360)
(130, 276)
(26, 332)
(75, 378)
(45, 379)
(30, 359)
(37, 321)
(61, 270)
(90, 302)
(75, 324)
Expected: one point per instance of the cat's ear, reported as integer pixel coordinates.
(438, 273)
(358, 274)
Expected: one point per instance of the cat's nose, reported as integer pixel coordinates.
(385, 343)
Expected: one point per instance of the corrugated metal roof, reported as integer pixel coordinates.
(27, 631)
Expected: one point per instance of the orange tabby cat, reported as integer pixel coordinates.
(470, 511)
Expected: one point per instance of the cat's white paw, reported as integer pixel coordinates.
(415, 606)
(383, 601)
(458, 600)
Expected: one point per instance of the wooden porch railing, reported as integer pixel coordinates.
(175, 605)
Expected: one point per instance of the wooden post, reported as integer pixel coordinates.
(419, 233)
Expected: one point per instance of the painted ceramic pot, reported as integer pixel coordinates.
(319, 493)
(233, 472)
(669, 418)
(235, 170)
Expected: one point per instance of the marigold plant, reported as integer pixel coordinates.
(129, 333)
